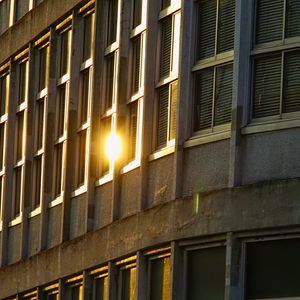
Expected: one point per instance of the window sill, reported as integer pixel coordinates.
(162, 152)
(34, 212)
(103, 180)
(174, 6)
(270, 126)
(207, 138)
(15, 221)
(57, 201)
(79, 191)
(130, 166)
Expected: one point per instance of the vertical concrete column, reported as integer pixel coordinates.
(241, 81)
(149, 97)
(49, 137)
(233, 289)
(184, 94)
(71, 149)
(28, 153)
(141, 274)
(9, 162)
(177, 282)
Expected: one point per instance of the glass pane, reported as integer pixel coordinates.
(137, 12)
(206, 29)
(165, 3)
(37, 182)
(58, 169)
(206, 274)
(17, 192)
(112, 21)
(19, 141)
(110, 65)
(106, 129)
(2, 149)
(133, 130)
(61, 111)
(43, 68)
(269, 22)
(160, 279)
(272, 269)
(173, 109)
(204, 84)
(128, 284)
(100, 290)
(87, 43)
(3, 94)
(65, 52)
(292, 18)
(22, 82)
(136, 67)
(84, 96)
(22, 7)
(81, 158)
(163, 116)
(39, 124)
(166, 46)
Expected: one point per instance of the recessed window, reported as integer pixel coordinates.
(112, 21)
(74, 289)
(206, 274)
(100, 285)
(213, 80)
(137, 12)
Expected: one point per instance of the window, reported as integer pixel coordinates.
(100, 284)
(86, 75)
(272, 269)
(4, 87)
(127, 279)
(159, 275)
(30, 296)
(41, 69)
(74, 289)
(21, 8)
(213, 69)
(276, 56)
(50, 293)
(168, 74)
(109, 96)
(62, 101)
(206, 273)
(20, 129)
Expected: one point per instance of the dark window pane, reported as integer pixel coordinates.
(58, 169)
(133, 130)
(87, 42)
(3, 94)
(165, 3)
(43, 68)
(267, 83)
(85, 77)
(22, 82)
(17, 192)
(207, 14)
(100, 289)
(223, 96)
(81, 158)
(106, 130)
(166, 46)
(226, 25)
(110, 61)
(112, 21)
(206, 274)
(37, 182)
(65, 39)
(137, 64)
(137, 12)
(291, 100)
(22, 7)
(160, 279)
(128, 278)
(272, 269)
(204, 99)
(269, 26)
(163, 116)
(19, 140)
(39, 124)
(61, 110)
(292, 18)
(2, 149)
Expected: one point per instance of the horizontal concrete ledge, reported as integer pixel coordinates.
(32, 24)
(269, 205)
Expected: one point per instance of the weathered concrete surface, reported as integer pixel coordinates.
(32, 24)
(269, 205)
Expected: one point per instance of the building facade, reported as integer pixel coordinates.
(203, 202)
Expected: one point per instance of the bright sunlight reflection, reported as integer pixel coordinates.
(113, 147)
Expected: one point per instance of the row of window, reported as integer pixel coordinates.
(276, 75)
(270, 269)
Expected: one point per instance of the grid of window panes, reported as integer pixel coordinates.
(276, 71)
(41, 69)
(4, 88)
(167, 76)
(62, 99)
(84, 103)
(20, 136)
(213, 68)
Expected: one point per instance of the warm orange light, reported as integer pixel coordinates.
(113, 147)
